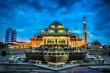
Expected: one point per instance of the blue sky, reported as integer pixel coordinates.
(29, 17)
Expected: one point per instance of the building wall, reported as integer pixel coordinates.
(23, 45)
(10, 35)
(33, 42)
(74, 43)
(55, 39)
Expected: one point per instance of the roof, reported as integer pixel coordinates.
(39, 37)
(56, 29)
(56, 23)
(36, 39)
(56, 34)
(75, 39)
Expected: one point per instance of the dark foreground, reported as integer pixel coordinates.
(28, 68)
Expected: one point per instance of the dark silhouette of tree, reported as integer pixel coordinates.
(3, 53)
(2, 45)
(109, 53)
(96, 43)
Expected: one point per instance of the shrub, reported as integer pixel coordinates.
(109, 53)
(3, 53)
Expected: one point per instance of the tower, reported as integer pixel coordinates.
(84, 31)
(10, 35)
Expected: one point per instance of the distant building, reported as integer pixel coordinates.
(11, 35)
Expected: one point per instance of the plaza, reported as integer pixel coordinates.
(78, 67)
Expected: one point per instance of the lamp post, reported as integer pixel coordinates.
(11, 50)
(93, 46)
(101, 50)
(19, 46)
(76, 43)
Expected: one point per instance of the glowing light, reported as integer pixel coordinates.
(60, 26)
(52, 26)
(60, 31)
(43, 30)
(51, 31)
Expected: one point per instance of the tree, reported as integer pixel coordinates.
(3, 53)
(2, 45)
(96, 43)
(109, 53)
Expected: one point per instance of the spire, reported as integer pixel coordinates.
(84, 30)
(84, 20)
(84, 17)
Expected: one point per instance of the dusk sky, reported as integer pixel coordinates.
(29, 17)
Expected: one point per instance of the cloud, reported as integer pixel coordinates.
(77, 31)
(29, 17)
(20, 30)
(102, 20)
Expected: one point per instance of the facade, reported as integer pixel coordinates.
(11, 35)
(56, 34)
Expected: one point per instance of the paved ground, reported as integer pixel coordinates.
(27, 68)
(34, 69)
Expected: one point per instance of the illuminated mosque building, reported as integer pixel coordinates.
(56, 33)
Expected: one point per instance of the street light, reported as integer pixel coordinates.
(11, 49)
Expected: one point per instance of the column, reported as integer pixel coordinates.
(65, 41)
(43, 42)
(69, 41)
(56, 40)
(46, 41)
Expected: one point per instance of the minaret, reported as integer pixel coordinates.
(85, 32)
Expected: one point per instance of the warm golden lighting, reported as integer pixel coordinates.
(52, 26)
(84, 30)
(60, 26)
(51, 31)
(69, 30)
(55, 34)
(43, 30)
(61, 31)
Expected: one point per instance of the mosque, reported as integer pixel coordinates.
(56, 33)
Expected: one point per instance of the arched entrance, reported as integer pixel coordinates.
(61, 41)
(50, 41)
